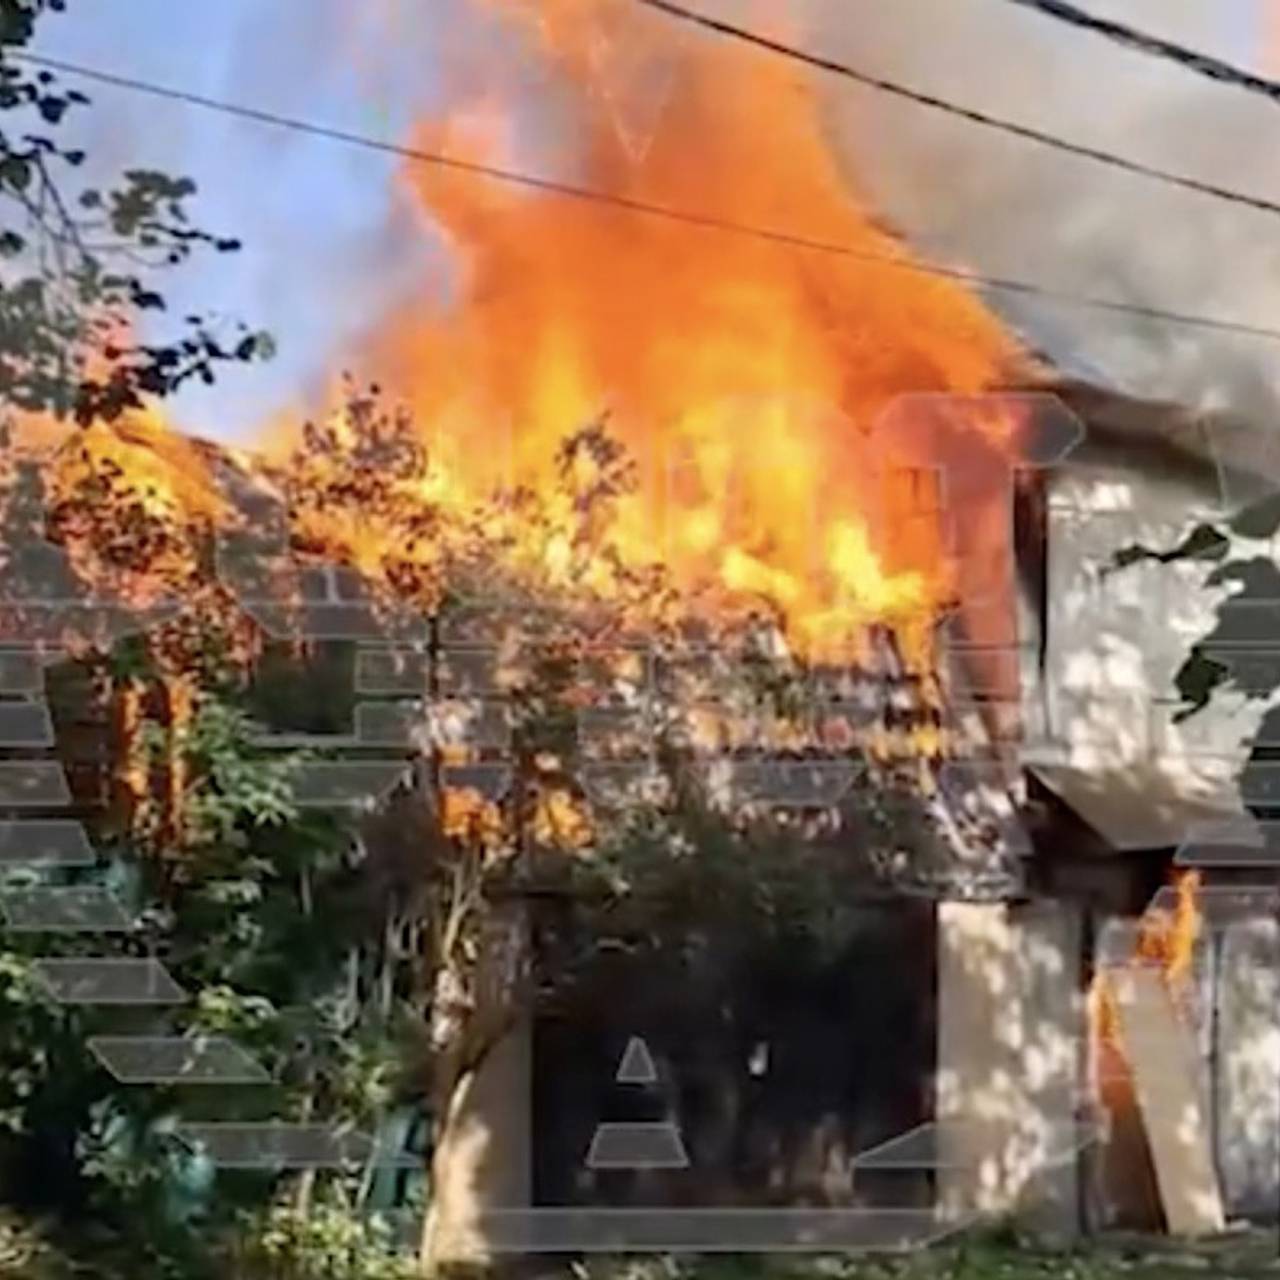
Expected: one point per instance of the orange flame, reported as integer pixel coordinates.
(132, 772)
(1166, 939)
(742, 375)
(180, 695)
(1169, 938)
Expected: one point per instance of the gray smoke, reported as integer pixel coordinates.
(961, 193)
(1005, 207)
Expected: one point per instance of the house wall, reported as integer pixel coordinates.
(1231, 999)
(1113, 644)
(1115, 640)
(1245, 1065)
(1008, 1066)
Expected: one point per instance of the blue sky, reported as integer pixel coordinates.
(322, 255)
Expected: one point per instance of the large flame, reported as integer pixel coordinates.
(742, 375)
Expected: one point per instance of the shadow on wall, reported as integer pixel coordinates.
(1010, 1023)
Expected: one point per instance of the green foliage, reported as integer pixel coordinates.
(255, 920)
(691, 873)
(27, 1253)
(992, 1255)
(261, 912)
(326, 1242)
(235, 790)
(1204, 542)
(1196, 681)
(18, 18)
(30, 1042)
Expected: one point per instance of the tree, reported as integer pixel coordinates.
(77, 262)
(275, 925)
(463, 866)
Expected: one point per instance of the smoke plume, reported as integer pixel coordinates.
(1011, 208)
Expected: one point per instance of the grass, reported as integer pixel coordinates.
(1240, 1256)
(1243, 1255)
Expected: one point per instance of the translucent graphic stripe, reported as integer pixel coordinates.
(716, 1230)
(1236, 843)
(637, 1145)
(941, 1145)
(1223, 904)
(37, 784)
(391, 724)
(346, 783)
(798, 784)
(21, 672)
(470, 671)
(1255, 672)
(25, 724)
(490, 781)
(278, 1145)
(392, 671)
(1260, 784)
(335, 622)
(617, 784)
(177, 1060)
(101, 980)
(41, 842)
(59, 910)
(54, 623)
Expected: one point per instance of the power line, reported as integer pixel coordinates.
(920, 98)
(1155, 46)
(692, 218)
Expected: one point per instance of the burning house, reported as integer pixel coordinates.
(829, 437)
(1058, 825)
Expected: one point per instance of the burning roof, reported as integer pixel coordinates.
(619, 411)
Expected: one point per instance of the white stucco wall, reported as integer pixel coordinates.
(1115, 642)
(1008, 1071)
